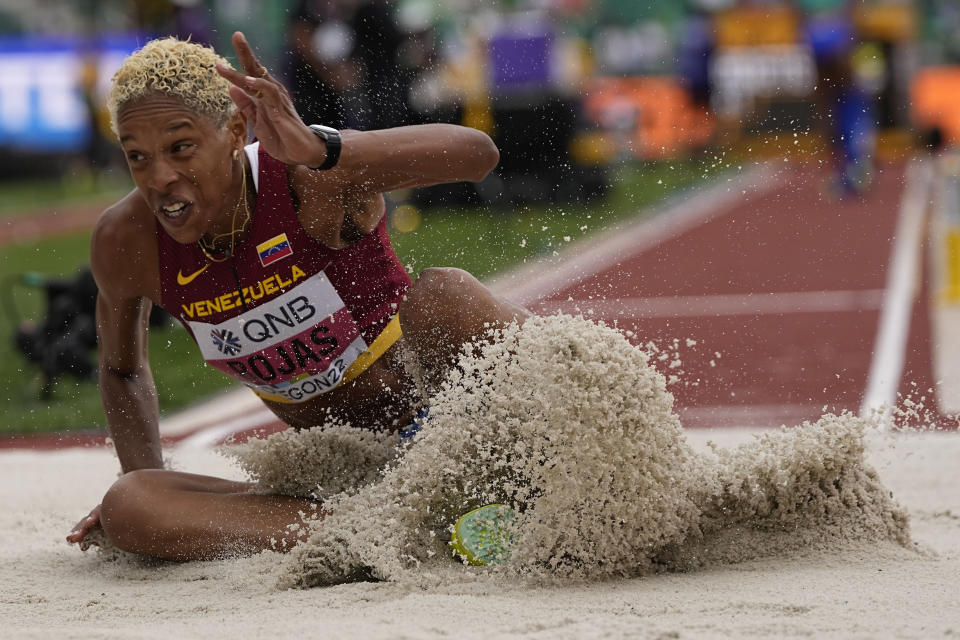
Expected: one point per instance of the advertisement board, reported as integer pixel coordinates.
(49, 85)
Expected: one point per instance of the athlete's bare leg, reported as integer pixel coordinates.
(184, 516)
(447, 307)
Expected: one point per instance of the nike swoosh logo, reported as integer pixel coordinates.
(185, 280)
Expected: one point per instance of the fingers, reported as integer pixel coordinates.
(255, 80)
(235, 77)
(82, 528)
(244, 102)
(245, 54)
(254, 87)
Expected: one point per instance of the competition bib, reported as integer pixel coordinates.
(290, 349)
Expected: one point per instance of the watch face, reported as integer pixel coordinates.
(323, 131)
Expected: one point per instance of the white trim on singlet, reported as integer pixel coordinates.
(252, 150)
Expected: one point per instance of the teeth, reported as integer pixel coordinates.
(174, 209)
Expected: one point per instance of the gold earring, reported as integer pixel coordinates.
(235, 154)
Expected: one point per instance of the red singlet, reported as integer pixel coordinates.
(307, 311)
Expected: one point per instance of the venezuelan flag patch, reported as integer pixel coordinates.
(276, 248)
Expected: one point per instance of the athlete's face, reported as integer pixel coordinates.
(183, 165)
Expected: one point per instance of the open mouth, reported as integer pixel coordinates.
(174, 210)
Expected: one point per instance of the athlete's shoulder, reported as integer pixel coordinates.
(126, 219)
(123, 247)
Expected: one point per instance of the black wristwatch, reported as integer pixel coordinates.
(330, 137)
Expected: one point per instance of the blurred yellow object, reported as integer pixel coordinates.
(590, 148)
(951, 292)
(754, 26)
(477, 114)
(405, 218)
(894, 144)
(466, 76)
(804, 147)
(868, 61)
(888, 21)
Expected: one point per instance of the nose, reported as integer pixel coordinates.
(161, 174)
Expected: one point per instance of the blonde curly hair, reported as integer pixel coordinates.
(172, 67)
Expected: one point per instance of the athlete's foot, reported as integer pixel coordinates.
(482, 536)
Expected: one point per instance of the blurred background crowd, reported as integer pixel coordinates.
(566, 87)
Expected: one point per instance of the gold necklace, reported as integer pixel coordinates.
(208, 247)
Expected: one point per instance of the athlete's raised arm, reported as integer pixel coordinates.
(375, 161)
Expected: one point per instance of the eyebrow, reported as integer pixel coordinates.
(178, 126)
(171, 129)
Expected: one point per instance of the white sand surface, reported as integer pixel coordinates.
(651, 531)
(49, 589)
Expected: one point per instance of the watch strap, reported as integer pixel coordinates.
(332, 140)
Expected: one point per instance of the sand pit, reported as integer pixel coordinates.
(638, 529)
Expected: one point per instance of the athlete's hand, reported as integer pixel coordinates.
(84, 527)
(270, 111)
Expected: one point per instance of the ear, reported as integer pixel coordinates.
(237, 126)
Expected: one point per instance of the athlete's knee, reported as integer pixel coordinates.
(125, 510)
(436, 284)
(429, 298)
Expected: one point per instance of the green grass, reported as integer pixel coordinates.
(481, 241)
(30, 196)
(75, 405)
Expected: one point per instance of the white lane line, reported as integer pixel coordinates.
(723, 305)
(527, 284)
(229, 405)
(214, 435)
(754, 415)
(903, 276)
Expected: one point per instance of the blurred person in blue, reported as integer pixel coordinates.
(274, 256)
(695, 52)
(845, 108)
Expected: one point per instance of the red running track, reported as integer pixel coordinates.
(771, 299)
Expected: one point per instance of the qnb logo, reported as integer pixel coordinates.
(279, 321)
(225, 341)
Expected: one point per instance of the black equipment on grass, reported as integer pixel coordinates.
(63, 342)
